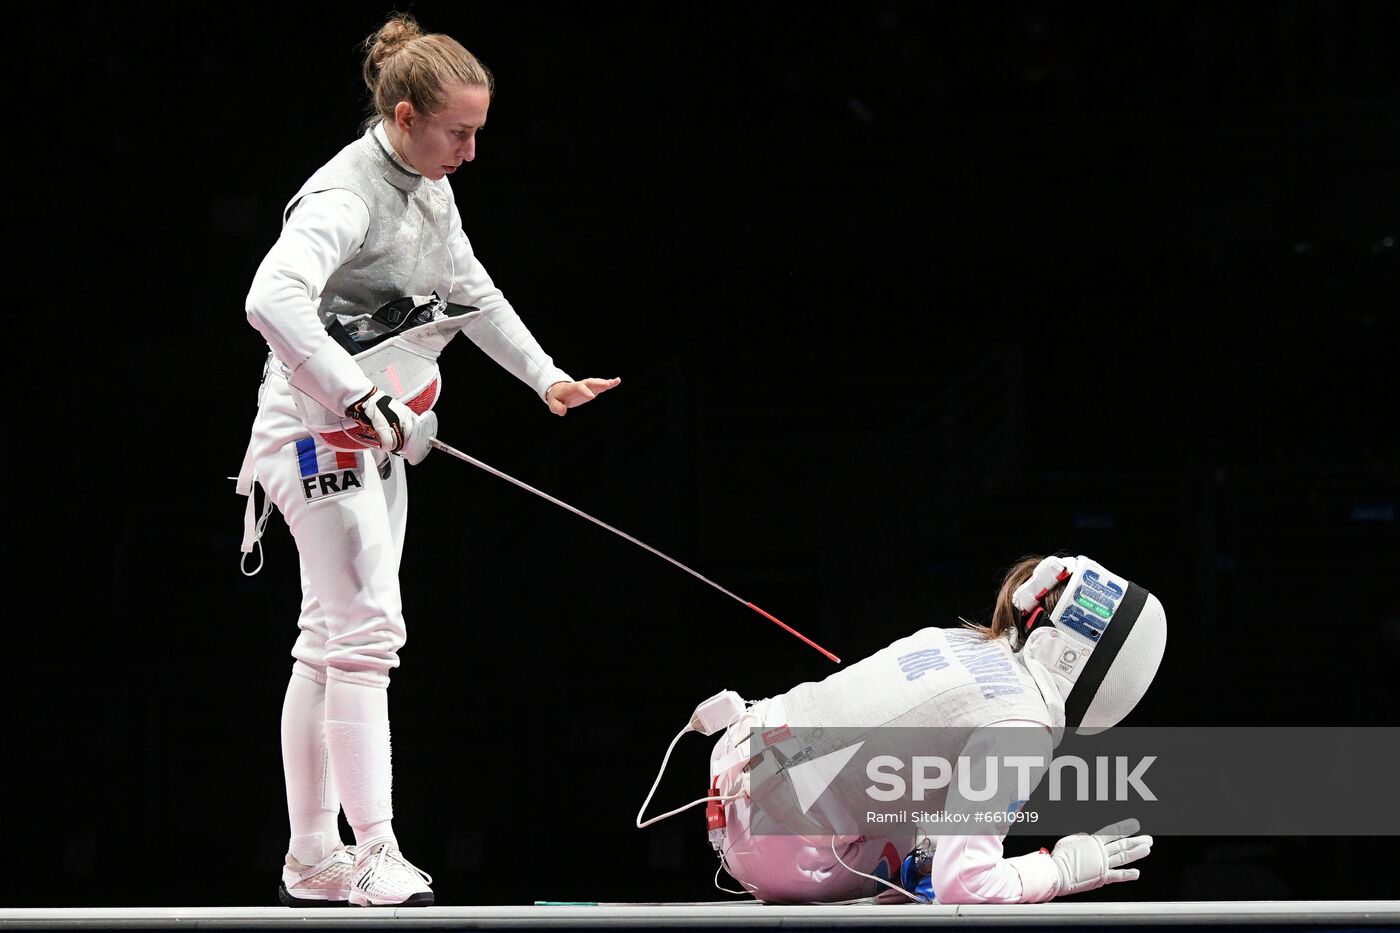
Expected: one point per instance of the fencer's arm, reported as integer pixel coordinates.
(972, 869)
(498, 330)
(324, 231)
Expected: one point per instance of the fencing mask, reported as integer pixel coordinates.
(398, 348)
(1102, 643)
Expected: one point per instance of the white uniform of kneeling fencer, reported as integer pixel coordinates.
(1043, 664)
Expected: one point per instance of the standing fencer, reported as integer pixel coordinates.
(376, 223)
(1070, 644)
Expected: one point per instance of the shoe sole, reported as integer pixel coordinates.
(287, 900)
(422, 899)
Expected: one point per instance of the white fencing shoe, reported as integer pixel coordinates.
(384, 878)
(325, 884)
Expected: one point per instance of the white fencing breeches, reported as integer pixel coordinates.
(348, 523)
(348, 520)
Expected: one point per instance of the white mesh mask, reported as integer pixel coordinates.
(398, 348)
(1103, 641)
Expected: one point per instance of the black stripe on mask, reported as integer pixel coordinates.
(1115, 634)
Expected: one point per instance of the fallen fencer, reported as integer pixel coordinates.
(1069, 645)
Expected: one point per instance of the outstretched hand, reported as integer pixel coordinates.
(1088, 862)
(565, 395)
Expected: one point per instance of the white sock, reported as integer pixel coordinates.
(312, 802)
(357, 735)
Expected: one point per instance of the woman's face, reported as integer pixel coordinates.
(437, 143)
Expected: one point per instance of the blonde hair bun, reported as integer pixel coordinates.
(403, 63)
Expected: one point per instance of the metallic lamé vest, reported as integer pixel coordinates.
(405, 251)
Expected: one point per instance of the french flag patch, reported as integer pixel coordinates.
(327, 472)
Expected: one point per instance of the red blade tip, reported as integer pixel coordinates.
(789, 628)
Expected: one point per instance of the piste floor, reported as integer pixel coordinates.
(1196, 915)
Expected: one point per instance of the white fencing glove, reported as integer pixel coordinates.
(1087, 862)
(419, 442)
(391, 420)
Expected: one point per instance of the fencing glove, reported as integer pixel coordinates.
(398, 429)
(1087, 862)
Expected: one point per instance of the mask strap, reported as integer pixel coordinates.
(1047, 573)
(1035, 617)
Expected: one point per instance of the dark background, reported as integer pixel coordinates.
(899, 292)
